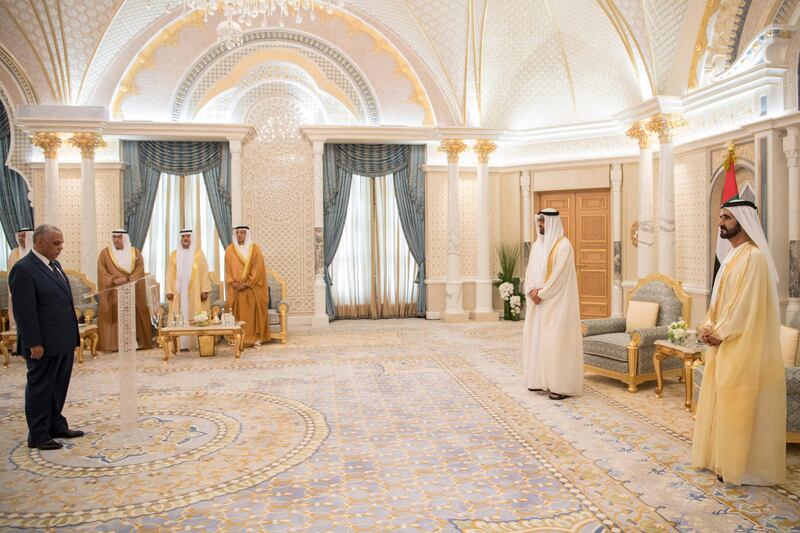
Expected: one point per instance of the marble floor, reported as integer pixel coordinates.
(370, 426)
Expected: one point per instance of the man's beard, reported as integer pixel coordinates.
(726, 233)
(541, 231)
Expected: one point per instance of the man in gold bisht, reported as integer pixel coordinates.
(740, 430)
(246, 285)
(25, 241)
(187, 284)
(118, 264)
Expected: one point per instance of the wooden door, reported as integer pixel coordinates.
(586, 216)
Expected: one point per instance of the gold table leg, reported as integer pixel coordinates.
(5, 347)
(237, 343)
(687, 378)
(658, 357)
(94, 338)
(166, 342)
(80, 352)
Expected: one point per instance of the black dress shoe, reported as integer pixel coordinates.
(535, 390)
(556, 396)
(68, 434)
(719, 478)
(47, 445)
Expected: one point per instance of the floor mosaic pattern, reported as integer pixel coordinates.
(370, 426)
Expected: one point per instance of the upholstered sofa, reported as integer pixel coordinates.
(792, 391)
(609, 351)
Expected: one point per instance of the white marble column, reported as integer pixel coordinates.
(235, 148)
(454, 310)
(791, 147)
(644, 251)
(49, 143)
(663, 125)
(616, 233)
(320, 318)
(483, 286)
(87, 143)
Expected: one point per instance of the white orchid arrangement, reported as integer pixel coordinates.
(677, 332)
(506, 290)
(516, 304)
(202, 316)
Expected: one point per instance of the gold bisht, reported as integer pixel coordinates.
(107, 270)
(740, 429)
(250, 304)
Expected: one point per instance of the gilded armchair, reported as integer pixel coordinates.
(277, 308)
(609, 351)
(83, 297)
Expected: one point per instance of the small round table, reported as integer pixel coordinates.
(688, 353)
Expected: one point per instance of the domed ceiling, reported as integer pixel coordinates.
(503, 64)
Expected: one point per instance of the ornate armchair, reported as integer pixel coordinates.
(609, 351)
(277, 307)
(792, 390)
(82, 286)
(4, 318)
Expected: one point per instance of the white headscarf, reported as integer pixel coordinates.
(553, 232)
(243, 249)
(746, 215)
(123, 258)
(23, 250)
(185, 262)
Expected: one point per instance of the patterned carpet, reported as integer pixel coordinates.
(370, 426)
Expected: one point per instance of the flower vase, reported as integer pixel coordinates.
(507, 310)
(515, 317)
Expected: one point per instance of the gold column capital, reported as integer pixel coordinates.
(483, 149)
(663, 124)
(639, 134)
(87, 142)
(47, 141)
(453, 147)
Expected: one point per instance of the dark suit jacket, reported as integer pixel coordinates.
(43, 308)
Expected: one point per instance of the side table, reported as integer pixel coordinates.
(88, 333)
(688, 354)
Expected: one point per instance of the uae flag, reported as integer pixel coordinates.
(729, 192)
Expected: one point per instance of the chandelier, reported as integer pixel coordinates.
(240, 13)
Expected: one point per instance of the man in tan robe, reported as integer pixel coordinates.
(740, 429)
(187, 284)
(246, 285)
(118, 264)
(25, 242)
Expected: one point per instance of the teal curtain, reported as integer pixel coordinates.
(147, 160)
(336, 182)
(409, 189)
(340, 162)
(15, 209)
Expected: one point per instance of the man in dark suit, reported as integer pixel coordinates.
(47, 334)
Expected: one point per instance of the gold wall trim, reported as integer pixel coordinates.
(701, 43)
(636, 44)
(276, 54)
(120, 3)
(33, 49)
(66, 51)
(169, 36)
(564, 57)
(55, 70)
(60, 56)
(145, 58)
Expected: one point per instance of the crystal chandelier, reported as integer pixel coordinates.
(245, 13)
